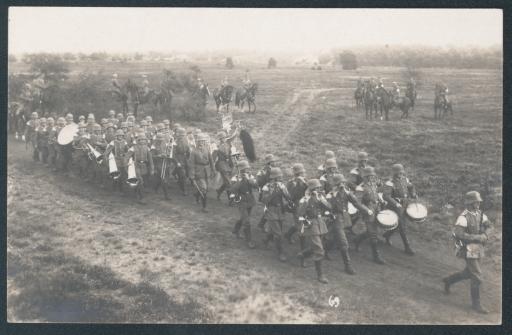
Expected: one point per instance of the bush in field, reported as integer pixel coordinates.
(89, 94)
(348, 60)
(229, 63)
(272, 63)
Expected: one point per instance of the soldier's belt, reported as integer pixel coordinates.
(141, 162)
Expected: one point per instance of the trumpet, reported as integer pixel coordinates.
(95, 154)
(112, 167)
(132, 179)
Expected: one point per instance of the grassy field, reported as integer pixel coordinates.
(170, 250)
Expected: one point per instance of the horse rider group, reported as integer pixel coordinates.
(320, 210)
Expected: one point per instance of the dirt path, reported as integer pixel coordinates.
(190, 254)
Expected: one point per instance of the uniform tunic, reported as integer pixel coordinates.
(339, 201)
(181, 155)
(143, 161)
(297, 188)
(201, 167)
(399, 190)
(370, 201)
(273, 196)
(311, 209)
(243, 188)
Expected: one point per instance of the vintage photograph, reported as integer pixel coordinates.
(254, 166)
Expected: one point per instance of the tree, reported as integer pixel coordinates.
(69, 57)
(348, 60)
(272, 63)
(229, 63)
(51, 67)
(98, 56)
(138, 56)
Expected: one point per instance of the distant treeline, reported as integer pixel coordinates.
(489, 58)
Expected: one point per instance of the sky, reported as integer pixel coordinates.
(66, 29)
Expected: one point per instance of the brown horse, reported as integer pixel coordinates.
(248, 94)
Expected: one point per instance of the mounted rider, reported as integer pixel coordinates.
(395, 92)
(247, 81)
(441, 92)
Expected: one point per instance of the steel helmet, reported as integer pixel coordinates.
(120, 115)
(202, 137)
(472, 197)
(298, 168)
(42, 120)
(69, 117)
(181, 132)
(61, 120)
(398, 168)
(275, 172)
(314, 184)
(141, 136)
(331, 163)
(166, 122)
(270, 158)
(34, 114)
(338, 178)
(143, 123)
(177, 125)
(362, 156)
(329, 154)
(160, 126)
(196, 131)
(112, 113)
(50, 120)
(368, 171)
(124, 125)
(149, 118)
(119, 132)
(81, 118)
(287, 173)
(243, 165)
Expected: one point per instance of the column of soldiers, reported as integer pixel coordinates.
(319, 207)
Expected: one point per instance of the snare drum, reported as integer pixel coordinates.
(387, 219)
(416, 212)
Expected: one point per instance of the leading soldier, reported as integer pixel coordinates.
(397, 193)
(311, 209)
(472, 230)
(80, 150)
(223, 162)
(241, 192)
(201, 168)
(263, 177)
(181, 156)
(297, 188)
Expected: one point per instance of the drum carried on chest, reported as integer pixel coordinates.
(387, 219)
(416, 212)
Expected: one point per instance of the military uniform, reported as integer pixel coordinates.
(326, 179)
(99, 170)
(297, 187)
(53, 132)
(472, 230)
(42, 141)
(200, 169)
(241, 191)
(262, 178)
(397, 193)
(143, 160)
(311, 209)
(161, 150)
(118, 147)
(181, 156)
(30, 135)
(273, 195)
(223, 163)
(371, 204)
(80, 152)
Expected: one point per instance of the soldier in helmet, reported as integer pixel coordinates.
(81, 119)
(30, 134)
(310, 212)
(119, 148)
(150, 130)
(241, 192)
(130, 133)
(355, 174)
(331, 168)
(80, 152)
(143, 160)
(57, 148)
(223, 162)
(167, 124)
(161, 150)
(472, 230)
(91, 121)
(263, 177)
(52, 139)
(370, 205)
(201, 168)
(339, 197)
(297, 187)
(110, 132)
(274, 195)
(42, 140)
(98, 169)
(398, 191)
(321, 169)
(120, 118)
(69, 119)
(181, 153)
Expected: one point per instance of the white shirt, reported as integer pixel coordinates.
(463, 222)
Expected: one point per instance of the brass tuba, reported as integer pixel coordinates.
(132, 179)
(112, 167)
(96, 154)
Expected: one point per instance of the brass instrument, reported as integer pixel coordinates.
(112, 167)
(132, 179)
(169, 154)
(94, 154)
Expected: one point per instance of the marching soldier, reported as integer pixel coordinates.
(263, 177)
(274, 195)
(143, 160)
(181, 155)
(331, 168)
(52, 139)
(223, 162)
(150, 130)
(110, 132)
(97, 141)
(355, 174)
(130, 134)
(397, 193)
(42, 141)
(370, 205)
(81, 119)
(201, 167)
(162, 151)
(80, 153)
(111, 116)
(91, 121)
(30, 134)
(69, 119)
(472, 230)
(311, 209)
(241, 192)
(321, 169)
(339, 197)
(167, 125)
(118, 147)
(58, 150)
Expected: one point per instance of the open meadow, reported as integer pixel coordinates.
(78, 252)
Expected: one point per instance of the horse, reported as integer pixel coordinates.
(223, 96)
(246, 94)
(387, 102)
(359, 97)
(201, 94)
(441, 107)
(369, 101)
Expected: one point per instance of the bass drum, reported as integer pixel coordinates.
(416, 212)
(67, 134)
(387, 220)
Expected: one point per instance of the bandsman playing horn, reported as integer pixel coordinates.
(201, 168)
(371, 204)
(397, 193)
(311, 210)
(143, 160)
(297, 187)
(274, 195)
(80, 153)
(223, 162)
(322, 169)
(118, 147)
(181, 155)
(355, 174)
(472, 230)
(162, 151)
(241, 191)
(263, 177)
(331, 168)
